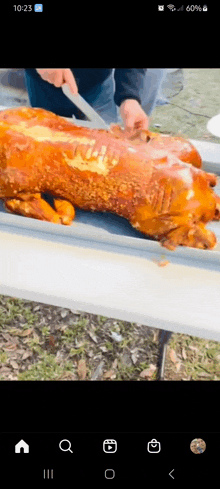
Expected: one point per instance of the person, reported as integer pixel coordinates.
(125, 96)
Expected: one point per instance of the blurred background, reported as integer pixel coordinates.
(188, 99)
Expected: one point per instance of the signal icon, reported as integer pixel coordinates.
(171, 7)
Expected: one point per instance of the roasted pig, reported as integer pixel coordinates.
(154, 181)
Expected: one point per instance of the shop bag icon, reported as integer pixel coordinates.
(153, 446)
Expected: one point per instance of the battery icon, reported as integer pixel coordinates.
(38, 7)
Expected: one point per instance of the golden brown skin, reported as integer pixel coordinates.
(177, 145)
(145, 178)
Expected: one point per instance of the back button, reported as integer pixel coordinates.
(171, 474)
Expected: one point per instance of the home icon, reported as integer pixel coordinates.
(22, 447)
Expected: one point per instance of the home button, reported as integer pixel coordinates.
(109, 474)
(22, 447)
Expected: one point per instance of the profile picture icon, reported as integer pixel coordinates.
(197, 445)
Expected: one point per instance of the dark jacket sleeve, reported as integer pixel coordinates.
(128, 83)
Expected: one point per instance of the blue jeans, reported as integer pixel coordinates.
(101, 97)
(152, 90)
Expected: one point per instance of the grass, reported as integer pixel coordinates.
(199, 96)
(27, 353)
(199, 358)
(46, 369)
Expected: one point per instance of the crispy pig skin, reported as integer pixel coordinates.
(154, 181)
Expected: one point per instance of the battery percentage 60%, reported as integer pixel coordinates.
(193, 8)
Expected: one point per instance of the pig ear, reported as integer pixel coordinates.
(212, 179)
(117, 131)
(116, 128)
(145, 135)
(142, 135)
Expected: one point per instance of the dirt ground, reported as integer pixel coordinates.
(44, 342)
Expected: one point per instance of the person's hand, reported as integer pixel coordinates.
(133, 116)
(58, 77)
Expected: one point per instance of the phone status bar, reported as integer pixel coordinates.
(188, 8)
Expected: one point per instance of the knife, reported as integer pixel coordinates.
(84, 107)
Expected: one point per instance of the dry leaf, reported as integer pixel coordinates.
(10, 347)
(26, 332)
(26, 355)
(52, 341)
(68, 375)
(6, 336)
(64, 313)
(115, 363)
(36, 308)
(178, 365)
(148, 372)
(145, 373)
(98, 371)
(193, 348)
(15, 331)
(155, 336)
(117, 337)
(12, 377)
(173, 356)
(63, 328)
(92, 336)
(134, 355)
(14, 364)
(109, 374)
(184, 353)
(5, 370)
(81, 369)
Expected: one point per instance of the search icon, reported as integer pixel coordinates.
(65, 449)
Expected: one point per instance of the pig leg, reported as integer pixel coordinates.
(32, 205)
